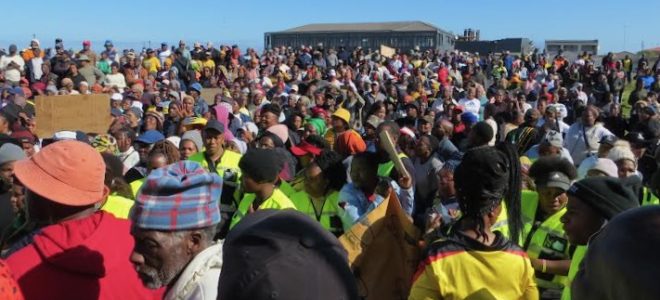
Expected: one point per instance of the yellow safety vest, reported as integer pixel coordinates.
(578, 255)
(385, 169)
(276, 201)
(649, 198)
(136, 185)
(502, 222)
(329, 214)
(228, 162)
(287, 189)
(547, 241)
(118, 206)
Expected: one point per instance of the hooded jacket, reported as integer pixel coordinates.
(80, 259)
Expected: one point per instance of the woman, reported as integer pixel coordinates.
(188, 107)
(260, 169)
(115, 78)
(314, 126)
(191, 143)
(543, 236)
(324, 177)
(75, 76)
(153, 120)
(472, 261)
(172, 124)
(133, 116)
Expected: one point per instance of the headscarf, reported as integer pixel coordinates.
(222, 115)
(105, 143)
(319, 125)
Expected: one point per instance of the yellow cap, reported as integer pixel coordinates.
(343, 114)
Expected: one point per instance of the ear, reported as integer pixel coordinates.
(194, 241)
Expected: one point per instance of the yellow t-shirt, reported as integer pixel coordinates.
(154, 64)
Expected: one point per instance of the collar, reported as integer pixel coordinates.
(199, 270)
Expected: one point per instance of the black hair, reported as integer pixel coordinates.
(549, 164)
(169, 151)
(391, 127)
(376, 107)
(368, 159)
(331, 165)
(130, 133)
(273, 108)
(483, 133)
(433, 142)
(317, 141)
(499, 179)
(114, 179)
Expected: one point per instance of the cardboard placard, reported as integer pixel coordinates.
(208, 94)
(87, 113)
(383, 251)
(387, 51)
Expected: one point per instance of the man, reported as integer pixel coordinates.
(591, 203)
(110, 51)
(87, 50)
(582, 137)
(551, 145)
(174, 223)
(164, 53)
(12, 66)
(143, 145)
(446, 149)
(609, 275)
(224, 163)
(127, 154)
(9, 154)
(89, 71)
(79, 252)
(201, 108)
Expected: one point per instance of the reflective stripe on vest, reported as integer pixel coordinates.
(502, 222)
(547, 241)
(385, 169)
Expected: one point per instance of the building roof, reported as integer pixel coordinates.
(361, 27)
(571, 41)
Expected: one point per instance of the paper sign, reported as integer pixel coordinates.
(87, 113)
(209, 94)
(387, 51)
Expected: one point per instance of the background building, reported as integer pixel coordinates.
(571, 48)
(400, 35)
(514, 45)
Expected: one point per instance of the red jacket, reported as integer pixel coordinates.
(80, 259)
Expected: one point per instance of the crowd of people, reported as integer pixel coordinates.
(514, 167)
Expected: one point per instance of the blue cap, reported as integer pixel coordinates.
(196, 86)
(469, 118)
(108, 42)
(17, 91)
(150, 137)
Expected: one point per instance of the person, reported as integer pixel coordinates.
(120, 198)
(191, 143)
(89, 71)
(216, 159)
(592, 202)
(630, 234)
(604, 146)
(324, 177)
(79, 252)
(143, 145)
(472, 261)
(341, 120)
(200, 107)
(9, 155)
(543, 236)
(427, 165)
(12, 65)
(582, 137)
(286, 248)
(174, 224)
(260, 169)
(551, 145)
(386, 166)
(367, 190)
(127, 154)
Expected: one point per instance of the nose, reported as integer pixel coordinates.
(136, 258)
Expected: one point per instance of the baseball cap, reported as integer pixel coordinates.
(609, 140)
(10, 152)
(24, 136)
(66, 172)
(150, 137)
(554, 139)
(215, 125)
(87, 43)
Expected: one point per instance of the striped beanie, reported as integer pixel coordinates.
(178, 197)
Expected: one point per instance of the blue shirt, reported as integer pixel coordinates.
(201, 107)
(357, 205)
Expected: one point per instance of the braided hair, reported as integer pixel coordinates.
(485, 177)
(168, 150)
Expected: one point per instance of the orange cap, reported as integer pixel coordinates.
(66, 172)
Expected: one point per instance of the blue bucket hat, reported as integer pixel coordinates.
(150, 137)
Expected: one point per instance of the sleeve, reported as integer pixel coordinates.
(406, 197)
(529, 288)
(350, 213)
(425, 286)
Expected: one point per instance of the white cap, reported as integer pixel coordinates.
(251, 127)
(294, 87)
(116, 97)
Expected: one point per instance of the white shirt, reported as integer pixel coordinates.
(439, 106)
(130, 158)
(36, 63)
(12, 74)
(199, 280)
(471, 105)
(163, 55)
(576, 144)
(116, 80)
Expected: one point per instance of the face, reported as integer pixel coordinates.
(159, 256)
(266, 143)
(150, 123)
(7, 171)
(188, 105)
(309, 130)
(315, 182)
(589, 117)
(423, 149)
(580, 221)
(28, 148)
(268, 119)
(338, 124)
(213, 141)
(552, 199)
(381, 113)
(132, 118)
(156, 162)
(142, 149)
(126, 104)
(625, 168)
(18, 198)
(187, 148)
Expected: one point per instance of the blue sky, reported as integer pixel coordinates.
(134, 23)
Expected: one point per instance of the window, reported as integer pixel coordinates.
(571, 48)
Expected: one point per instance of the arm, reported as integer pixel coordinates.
(556, 267)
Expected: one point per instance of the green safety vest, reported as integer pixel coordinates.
(329, 214)
(276, 201)
(548, 241)
(118, 206)
(648, 198)
(578, 255)
(385, 169)
(502, 222)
